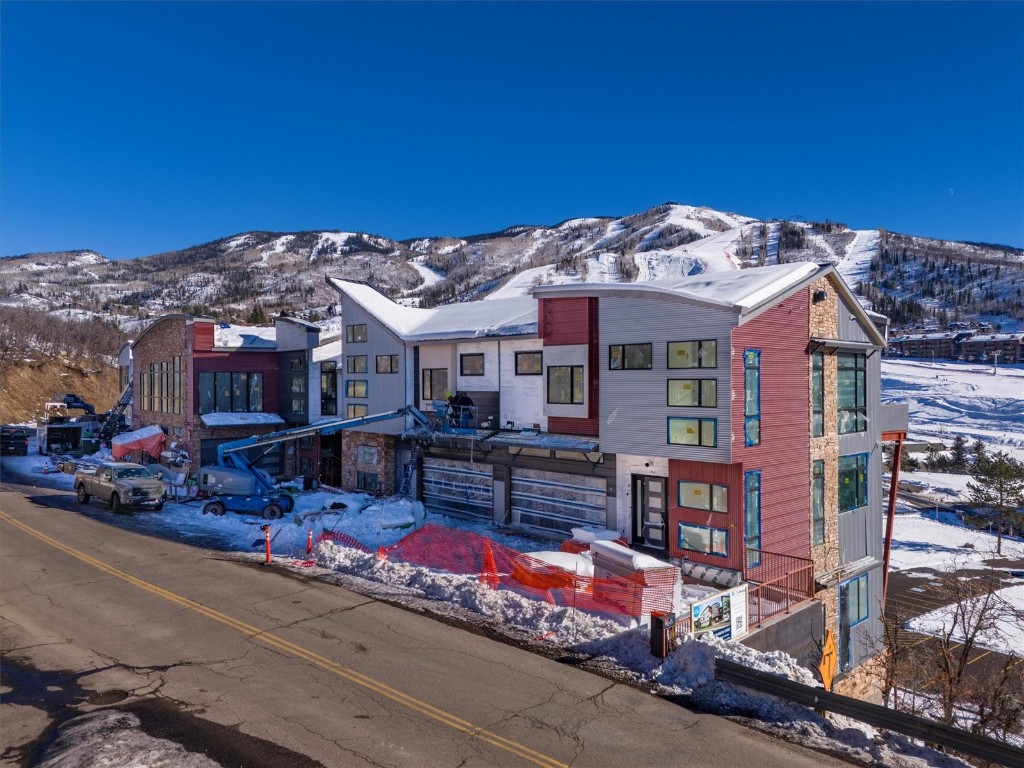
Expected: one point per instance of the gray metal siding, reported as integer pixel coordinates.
(386, 391)
(633, 408)
(850, 328)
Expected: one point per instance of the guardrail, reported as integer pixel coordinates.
(964, 742)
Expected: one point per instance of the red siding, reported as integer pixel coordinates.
(563, 425)
(257, 362)
(564, 321)
(783, 457)
(203, 338)
(730, 475)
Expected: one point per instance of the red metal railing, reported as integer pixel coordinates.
(777, 583)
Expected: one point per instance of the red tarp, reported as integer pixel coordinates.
(148, 439)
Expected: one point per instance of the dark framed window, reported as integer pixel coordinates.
(355, 364)
(176, 384)
(752, 517)
(711, 497)
(852, 392)
(529, 363)
(355, 410)
(565, 384)
(435, 383)
(693, 393)
(817, 394)
(817, 502)
(751, 397)
(854, 607)
(355, 333)
(471, 364)
(387, 363)
(239, 391)
(368, 482)
(704, 539)
(230, 392)
(701, 432)
(222, 388)
(693, 354)
(355, 388)
(329, 388)
(627, 357)
(853, 481)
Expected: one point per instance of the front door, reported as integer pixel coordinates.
(650, 521)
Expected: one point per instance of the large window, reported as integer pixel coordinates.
(817, 502)
(565, 384)
(387, 363)
(752, 397)
(817, 394)
(700, 538)
(471, 364)
(329, 388)
(693, 354)
(298, 385)
(230, 392)
(854, 607)
(702, 432)
(529, 363)
(355, 364)
(706, 496)
(852, 395)
(355, 410)
(355, 388)
(694, 393)
(355, 333)
(853, 481)
(435, 383)
(368, 482)
(752, 517)
(625, 357)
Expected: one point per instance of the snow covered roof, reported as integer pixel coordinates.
(987, 337)
(740, 291)
(240, 419)
(245, 337)
(472, 319)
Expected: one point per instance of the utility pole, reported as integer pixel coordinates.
(995, 360)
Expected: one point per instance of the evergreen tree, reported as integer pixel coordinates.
(978, 451)
(998, 485)
(958, 455)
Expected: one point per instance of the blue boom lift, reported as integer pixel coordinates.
(238, 485)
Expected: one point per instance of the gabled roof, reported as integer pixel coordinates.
(467, 320)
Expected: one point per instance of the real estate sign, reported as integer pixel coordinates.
(725, 614)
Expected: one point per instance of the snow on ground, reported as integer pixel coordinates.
(717, 252)
(855, 264)
(943, 542)
(1004, 637)
(430, 276)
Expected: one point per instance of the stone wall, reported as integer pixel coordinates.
(864, 681)
(161, 343)
(384, 467)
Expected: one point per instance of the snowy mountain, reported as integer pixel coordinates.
(255, 274)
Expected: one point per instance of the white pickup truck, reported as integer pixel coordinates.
(123, 486)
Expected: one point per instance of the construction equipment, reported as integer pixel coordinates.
(238, 485)
(115, 417)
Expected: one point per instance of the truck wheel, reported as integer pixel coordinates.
(115, 504)
(287, 503)
(214, 508)
(83, 497)
(273, 511)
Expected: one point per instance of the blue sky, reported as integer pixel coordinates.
(136, 128)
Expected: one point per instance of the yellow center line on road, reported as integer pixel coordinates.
(305, 654)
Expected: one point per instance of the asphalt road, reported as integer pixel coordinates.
(259, 667)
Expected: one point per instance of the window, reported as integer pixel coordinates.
(367, 482)
(355, 410)
(853, 609)
(626, 357)
(355, 333)
(707, 496)
(699, 538)
(355, 388)
(165, 388)
(853, 482)
(387, 363)
(297, 385)
(817, 502)
(695, 393)
(329, 388)
(852, 394)
(752, 397)
(366, 454)
(693, 354)
(752, 517)
(230, 392)
(471, 364)
(565, 384)
(355, 364)
(435, 383)
(702, 432)
(529, 363)
(817, 394)
(176, 388)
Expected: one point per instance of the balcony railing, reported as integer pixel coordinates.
(777, 584)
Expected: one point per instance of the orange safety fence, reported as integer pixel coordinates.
(471, 554)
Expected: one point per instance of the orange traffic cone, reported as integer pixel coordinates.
(489, 572)
(382, 554)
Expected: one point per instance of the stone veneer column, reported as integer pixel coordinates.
(384, 468)
(824, 323)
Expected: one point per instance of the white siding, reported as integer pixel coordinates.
(489, 382)
(386, 391)
(574, 354)
(522, 397)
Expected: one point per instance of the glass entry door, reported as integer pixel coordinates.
(650, 519)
